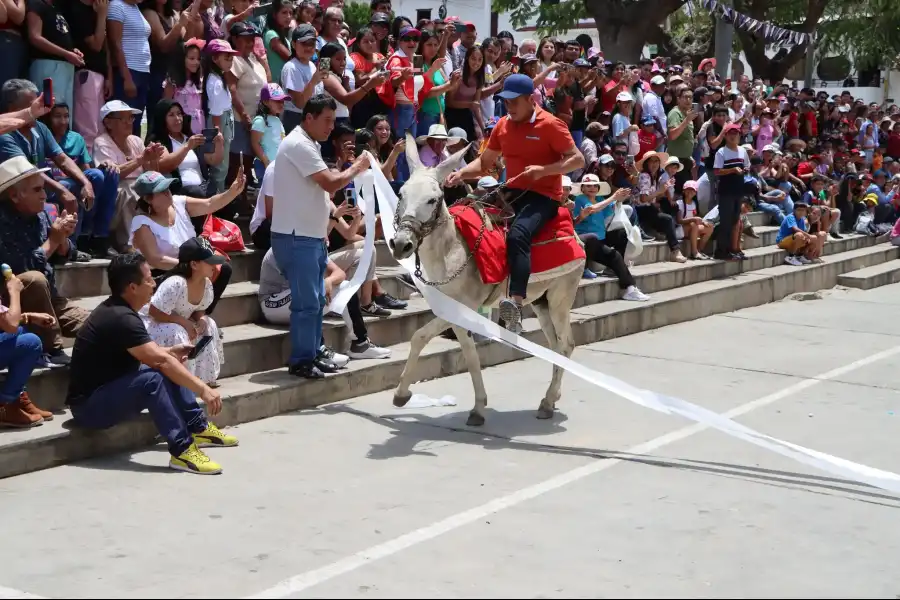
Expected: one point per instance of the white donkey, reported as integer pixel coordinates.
(424, 225)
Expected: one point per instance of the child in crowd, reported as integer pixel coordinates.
(185, 82)
(267, 130)
(794, 238)
(217, 104)
(690, 225)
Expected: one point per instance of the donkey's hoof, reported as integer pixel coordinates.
(400, 400)
(475, 419)
(544, 413)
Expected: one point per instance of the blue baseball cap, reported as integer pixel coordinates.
(152, 182)
(580, 62)
(515, 86)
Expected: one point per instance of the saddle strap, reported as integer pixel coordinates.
(556, 239)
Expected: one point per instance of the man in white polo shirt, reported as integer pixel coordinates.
(301, 209)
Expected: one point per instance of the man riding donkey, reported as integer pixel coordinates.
(538, 149)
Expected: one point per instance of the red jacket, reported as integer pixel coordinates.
(386, 89)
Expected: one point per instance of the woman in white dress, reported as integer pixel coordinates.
(177, 312)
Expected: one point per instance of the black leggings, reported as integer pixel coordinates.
(356, 318)
(599, 251)
(650, 215)
(533, 211)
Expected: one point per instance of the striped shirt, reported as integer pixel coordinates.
(135, 34)
(726, 158)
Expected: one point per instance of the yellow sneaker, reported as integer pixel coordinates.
(193, 460)
(213, 436)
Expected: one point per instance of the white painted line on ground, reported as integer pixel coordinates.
(11, 594)
(304, 581)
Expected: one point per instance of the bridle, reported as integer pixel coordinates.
(420, 229)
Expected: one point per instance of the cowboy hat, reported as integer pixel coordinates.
(16, 169)
(662, 156)
(603, 188)
(673, 160)
(437, 132)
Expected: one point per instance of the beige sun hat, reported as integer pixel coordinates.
(16, 169)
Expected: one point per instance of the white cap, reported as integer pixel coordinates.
(605, 159)
(624, 97)
(487, 183)
(770, 148)
(566, 181)
(590, 179)
(114, 106)
(658, 80)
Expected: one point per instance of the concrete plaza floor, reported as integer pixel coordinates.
(363, 500)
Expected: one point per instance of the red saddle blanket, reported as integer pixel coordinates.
(554, 245)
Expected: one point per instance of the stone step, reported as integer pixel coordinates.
(83, 280)
(256, 396)
(872, 277)
(252, 347)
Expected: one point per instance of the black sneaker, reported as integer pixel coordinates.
(836, 236)
(58, 357)
(82, 257)
(306, 370)
(100, 248)
(373, 310)
(326, 365)
(339, 360)
(387, 301)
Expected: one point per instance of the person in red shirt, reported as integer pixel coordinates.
(647, 137)
(620, 81)
(538, 149)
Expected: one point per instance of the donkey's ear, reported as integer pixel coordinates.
(412, 154)
(451, 164)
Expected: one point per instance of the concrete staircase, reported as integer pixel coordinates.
(255, 384)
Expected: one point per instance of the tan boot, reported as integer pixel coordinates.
(13, 416)
(29, 408)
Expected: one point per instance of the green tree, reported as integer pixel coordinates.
(356, 15)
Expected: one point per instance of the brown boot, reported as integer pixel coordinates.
(13, 416)
(29, 408)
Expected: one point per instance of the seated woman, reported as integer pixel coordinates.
(94, 221)
(177, 312)
(590, 215)
(163, 224)
(653, 187)
(183, 157)
(19, 355)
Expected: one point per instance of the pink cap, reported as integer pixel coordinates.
(220, 47)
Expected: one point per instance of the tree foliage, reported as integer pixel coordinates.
(868, 31)
(356, 15)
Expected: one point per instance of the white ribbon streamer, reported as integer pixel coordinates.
(458, 314)
(366, 202)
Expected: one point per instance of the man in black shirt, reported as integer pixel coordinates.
(118, 371)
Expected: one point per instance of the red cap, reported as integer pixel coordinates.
(732, 127)
(469, 25)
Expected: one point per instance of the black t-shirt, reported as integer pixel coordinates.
(101, 348)
(713, 131)
(82, 22)
(55, 28)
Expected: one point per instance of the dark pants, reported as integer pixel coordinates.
(533, 211)
(262, 237)
(356, 318)
(174, 409)
(599, 251)
(139, 101)
(729, 213)
(684, 175)
(659, 221)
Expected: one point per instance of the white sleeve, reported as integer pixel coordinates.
(169, 293)
(290, 77)
(268, 182)
(219, 96)
(719, 162)
(746, 158)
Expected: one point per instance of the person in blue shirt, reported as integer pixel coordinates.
(93, 223)
(794, 237)
(591, 215)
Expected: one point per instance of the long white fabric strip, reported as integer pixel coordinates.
(364, 185)
(450, 310)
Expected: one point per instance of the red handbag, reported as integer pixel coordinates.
(223, 235)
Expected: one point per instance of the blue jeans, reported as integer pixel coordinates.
(302, 260)
(777, 210)
(19, 353)
(174, 409)
(403, 119)
(96, 221)
(426, 120)
(142, 84)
